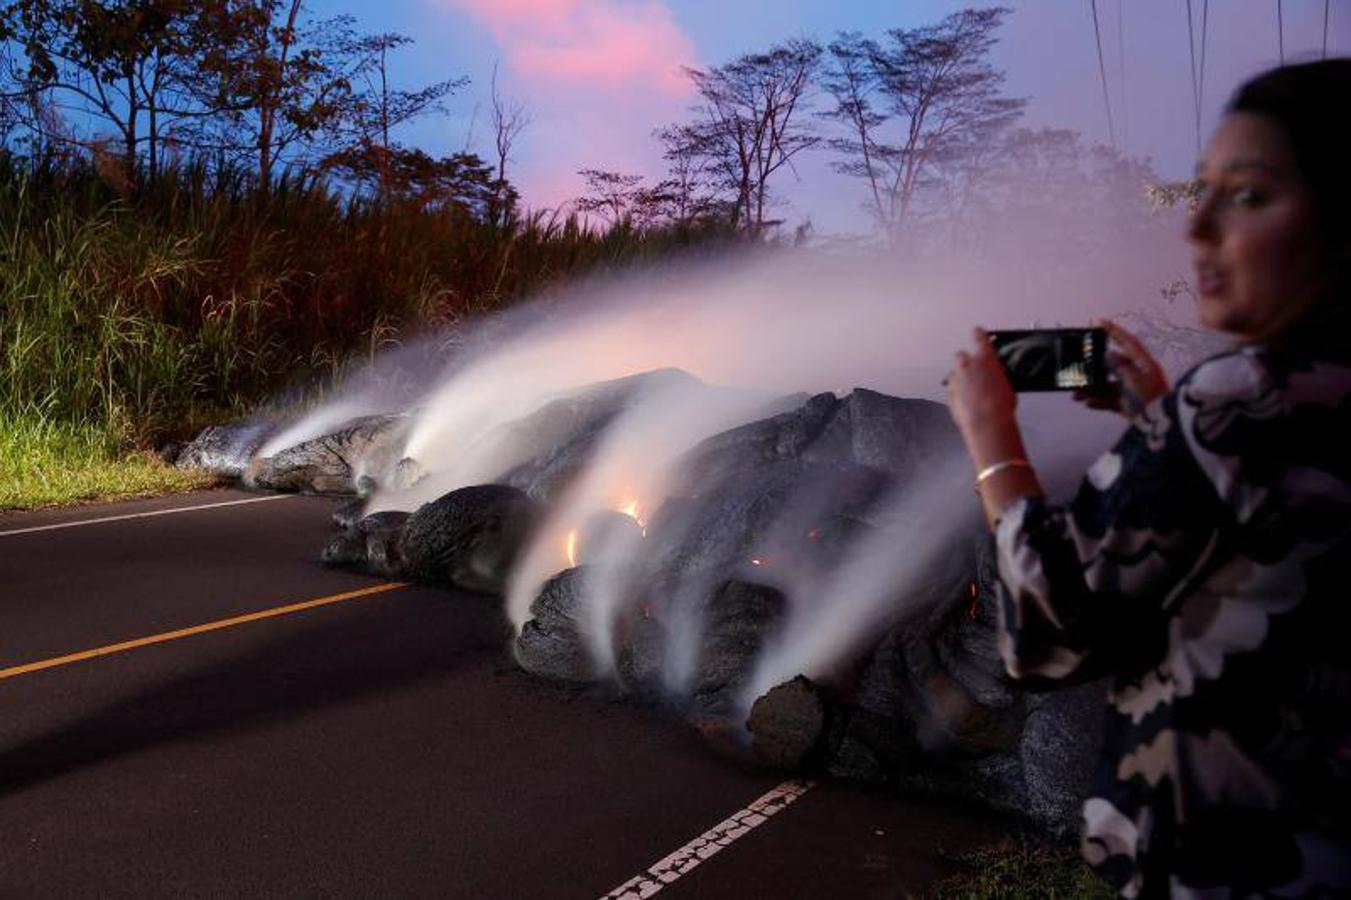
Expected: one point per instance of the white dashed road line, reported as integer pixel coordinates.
(141, 515)
(734, 827)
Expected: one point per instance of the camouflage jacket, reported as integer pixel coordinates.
(1204, 565)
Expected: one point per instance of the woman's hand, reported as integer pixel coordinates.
(984, 407)
(1139, 377)
(982, 401)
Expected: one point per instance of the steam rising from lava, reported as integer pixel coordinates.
(758, 328)
(859, 597)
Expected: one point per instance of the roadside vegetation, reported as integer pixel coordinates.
(129, 321)
(1021, 868)
(50, 463)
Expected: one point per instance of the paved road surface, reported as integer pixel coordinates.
(381, 746)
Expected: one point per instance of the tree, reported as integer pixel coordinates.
(281, 119)
(509, 120)
(613, 196)
(852, 80)
(9, 113)
(1046, 189)
(124, 63)
(461, 182)
(375, 111)
(921, 99)
(748, 123)
(283, 84)
(245, 79)
(690, 193)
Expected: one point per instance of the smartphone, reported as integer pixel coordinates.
(1054, 359)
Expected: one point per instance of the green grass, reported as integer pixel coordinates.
(43, 463)
(1022, 869)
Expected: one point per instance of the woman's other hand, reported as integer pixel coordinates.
(1139, 378)
(980, 397)
(984, 407)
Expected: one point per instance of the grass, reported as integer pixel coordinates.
(1022, 869)
(43, 463)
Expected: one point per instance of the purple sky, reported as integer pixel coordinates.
(597, 76)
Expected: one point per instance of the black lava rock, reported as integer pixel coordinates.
(470, 538)
(224, 449)
(791, 726)
(737, 620)
(334, 463)
(349, 513)
(371, 545)
(551, 643)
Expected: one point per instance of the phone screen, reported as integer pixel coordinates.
(1053, 359)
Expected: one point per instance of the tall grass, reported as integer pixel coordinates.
(142, 317)
(200, 296)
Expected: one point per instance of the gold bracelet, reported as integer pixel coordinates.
(995, 468)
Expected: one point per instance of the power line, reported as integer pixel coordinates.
(1102, 70)
(1201, 72)
(1327, 4)
(1121, 73)
(1196, 89)
(1280, 30)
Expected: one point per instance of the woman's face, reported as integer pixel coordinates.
(1255, 244)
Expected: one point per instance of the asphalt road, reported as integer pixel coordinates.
(380, 746)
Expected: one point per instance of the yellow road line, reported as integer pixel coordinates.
(199, 629)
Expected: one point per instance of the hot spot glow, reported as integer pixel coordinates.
(570, 548)
(634, 510)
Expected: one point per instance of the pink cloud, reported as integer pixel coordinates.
(551, 188)
(597, 76)
(516, 11)
(611, 45)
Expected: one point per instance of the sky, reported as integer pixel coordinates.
(598, 76)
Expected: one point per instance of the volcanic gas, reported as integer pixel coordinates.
(727, 488)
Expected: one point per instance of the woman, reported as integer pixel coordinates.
(1204, 563)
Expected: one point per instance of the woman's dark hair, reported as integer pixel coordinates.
(1309, 102)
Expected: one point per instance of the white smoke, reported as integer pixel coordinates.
(751, 329)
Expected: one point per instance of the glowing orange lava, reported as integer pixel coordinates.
(634, 510)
